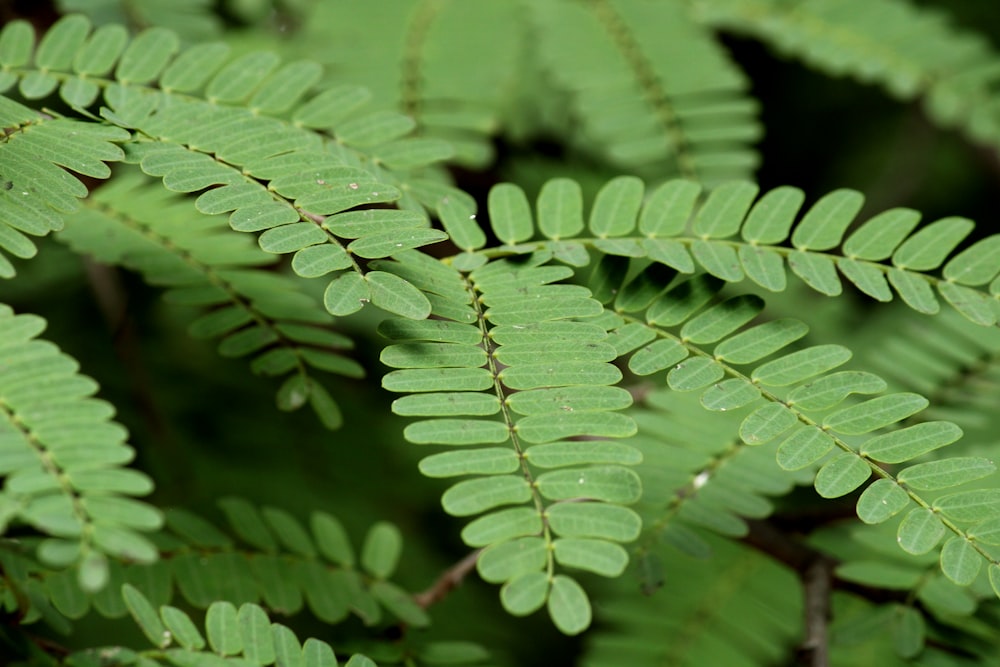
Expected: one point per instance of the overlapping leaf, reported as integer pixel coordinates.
(257, 313)
(276, 156)
(273, 560)
(733, 238)
(639, 99)
(232, 635)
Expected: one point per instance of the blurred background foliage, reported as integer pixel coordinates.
(820, 133)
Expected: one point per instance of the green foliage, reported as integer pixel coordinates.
(629, 358)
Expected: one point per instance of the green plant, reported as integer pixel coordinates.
(632, 370)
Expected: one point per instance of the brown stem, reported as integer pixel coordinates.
(449, 580)
(816, 582)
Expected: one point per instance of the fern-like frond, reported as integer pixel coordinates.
(194, 20)
(919, 595)
(652, 90)
(234, 636)
(733, 237)
(35, 189)
(952, 362)
(515, 379)
(202, 120)
(273, 560)
(911, 51)
(62, 460)
(738, 608)
(257, 313)
(697, 477)
(799, 399)
(449, 65)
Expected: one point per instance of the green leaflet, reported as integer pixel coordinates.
(502, 525)
(771, 217)
(882, 500)
(831, 389)
(510, 214)
(696, 373)
(920, 531)
(719, 260)
(668, 208)
(976, 265)
(604, 558)
(841, 475)
(375, 128)
(907, 631)
(879, 412)
(506, 560)
(803, 448)
(977, 505)
(766, 423)
(484, 461)
(616, 207)
(381, 550)
(526, 593)
(914, 290)
(909, 443)
(729, 395)
(802, 365)
(474, 496)
(255, 632)
(657, 356)
(878, 237)
(560, 209)
(760, 341)
(722, 213)
(578, 373)
(611, 484)
(568, 605)
(459, 221)
(568, 453)
(182, 628)
(867, 278)
(929, 247)
(222, 628)
(823, 225)
(721, 320)
(960, 562)
(456, 432)
(945, 473)
(764, 267)
(145, 616)
(609, 522)
(817, 271)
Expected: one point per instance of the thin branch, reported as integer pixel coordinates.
(816, 582)
(448, 581)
